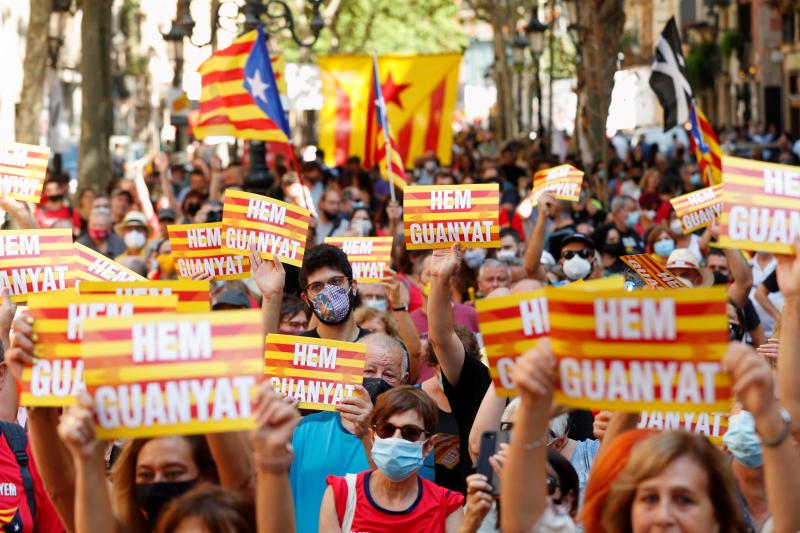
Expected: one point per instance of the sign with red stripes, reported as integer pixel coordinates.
(193, 296)
(198, 248)
(563, 181)
(35, 261)
(653, 273)
(22, 171)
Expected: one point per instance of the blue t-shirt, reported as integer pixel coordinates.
(582, 459)
(323, 447)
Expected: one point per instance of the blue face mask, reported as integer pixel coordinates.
(695, 179)
(633, 219)
(380, 305)
(742, 441)
(397, 458)
(664, 248)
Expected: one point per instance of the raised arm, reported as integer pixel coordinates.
(524, 479)
(397, 296)
(788, 272)
(753, 383)
(533, 252)
(20, 213)
(93, 511)
(275, 423)
(167, 191)
(441, 334)
(232, 455)
(270, 278)
(52, 458)
(488, 418)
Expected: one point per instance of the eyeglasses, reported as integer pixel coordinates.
(295, 325)
(315, 288)
(586, 253)
(409, 432)
(506, 426)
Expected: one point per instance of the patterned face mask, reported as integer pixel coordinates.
(333, 305)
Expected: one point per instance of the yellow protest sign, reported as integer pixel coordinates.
(173, 374)
(711, 425)
(277, 228)
(193, 296)
(369, 257)
(35, 261)
(698, 209)
(57, 375)
(760, 206)
(509, 326)
(643, 350)
(89, 265)
(654, 274)
(563, 181)
(318, 373)
(437, 216)
(22, 171)
(198, 248)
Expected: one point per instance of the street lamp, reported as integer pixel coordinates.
(55, 39)
(534, 30)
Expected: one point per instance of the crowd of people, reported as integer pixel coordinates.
(401, 453)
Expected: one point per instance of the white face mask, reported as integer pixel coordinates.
(474, 257)
(505, 254)
(675, 227)
(577, 268)
(135, 240)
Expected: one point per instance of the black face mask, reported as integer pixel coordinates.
(616, 249)
(331, 215)
(152, 497)
(192, 209)
(720, 278)
(735, 332)
(55, 198)
(375, 387)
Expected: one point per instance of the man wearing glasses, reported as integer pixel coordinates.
(578, 259)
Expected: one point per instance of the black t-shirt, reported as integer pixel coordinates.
(771, 282)
(751, 319)
(465, 399)
(580, 424)
(314, 334)
(451, 469)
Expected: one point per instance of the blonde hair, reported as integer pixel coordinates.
(364, 314)
(651, 456)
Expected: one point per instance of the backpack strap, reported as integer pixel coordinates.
(350, 509)
(18, 442)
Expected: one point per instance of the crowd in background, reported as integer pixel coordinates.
(401, 454)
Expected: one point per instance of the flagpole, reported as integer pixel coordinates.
(386, 141)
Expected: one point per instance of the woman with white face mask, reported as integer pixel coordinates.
(393, 497)
(135, 232)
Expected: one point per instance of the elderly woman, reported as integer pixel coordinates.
(393, 497)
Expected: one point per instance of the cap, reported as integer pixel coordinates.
(167, 213)
(232, 298)
(577, 237)
(133, 219)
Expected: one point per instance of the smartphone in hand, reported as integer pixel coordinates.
(490, 444)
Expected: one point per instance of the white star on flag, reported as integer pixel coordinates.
(257, 86)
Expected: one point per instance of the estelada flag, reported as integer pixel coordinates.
(706, 146)
(22, 171)
(240, 95)
(173, 374)
(420, 93)
(57, 373)
(318, 373)
(644, 350)
(193, 296)
(35, 261)
(385, 150)
(198, 248)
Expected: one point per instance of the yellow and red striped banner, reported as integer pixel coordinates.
(35, 261)
(22, 171)
(653, 273)
(711, 425)
(57, 374)
(563, 181)
(509, 326)
(370, 257)
(698, 209)
(92, 266)
(760, 206)
(318, 373)
(436, 216)
(636, 351)
(276, 227)
(193, 296)
(173, 374)
(198, 248)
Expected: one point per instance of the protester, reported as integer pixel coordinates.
(99, 236)
(121, 203)
(294, 316)
(393, 497)
(330, 223)
(55, 206)
(135, 231)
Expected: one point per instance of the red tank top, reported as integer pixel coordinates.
(428, 513)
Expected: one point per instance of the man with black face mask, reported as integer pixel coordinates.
(53, 208)
(330, 223)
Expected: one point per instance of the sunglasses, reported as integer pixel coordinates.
(409, 432)
(586, 253)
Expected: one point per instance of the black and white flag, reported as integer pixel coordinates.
(669, 80)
